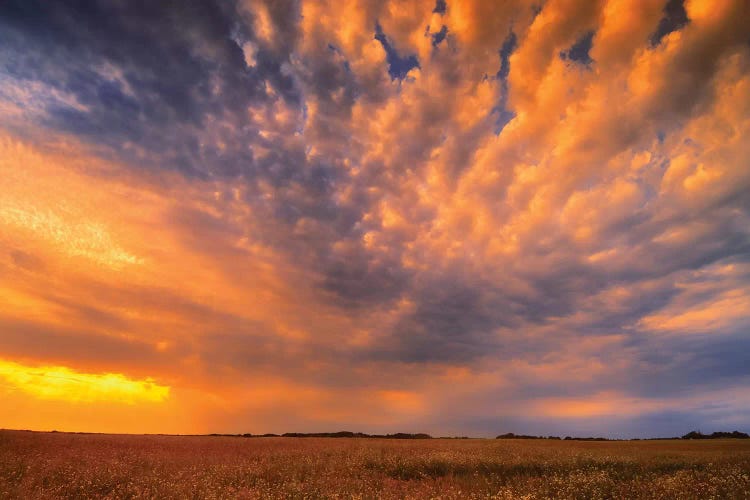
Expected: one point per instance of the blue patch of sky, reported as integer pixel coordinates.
(398, 66)
(509, 45)
(674, 18)
(504, 115)
(439, 36)
(579, 51)
(535, 10)
(440, 7)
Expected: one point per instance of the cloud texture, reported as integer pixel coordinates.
(462, 217)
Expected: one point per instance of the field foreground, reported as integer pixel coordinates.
(47, 465)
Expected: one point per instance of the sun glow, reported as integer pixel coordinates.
(62, 383)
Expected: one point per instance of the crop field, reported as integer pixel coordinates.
(60, 465)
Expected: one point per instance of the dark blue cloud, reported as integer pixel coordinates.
(440, 7)
(149, 77)
(328, 75)
(166, 86)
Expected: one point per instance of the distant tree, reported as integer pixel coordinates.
(348, 434)
(716, 435)
(694, 435)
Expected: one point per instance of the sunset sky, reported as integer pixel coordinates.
(466, 217)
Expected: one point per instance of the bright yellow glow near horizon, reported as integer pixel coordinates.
(66, 384)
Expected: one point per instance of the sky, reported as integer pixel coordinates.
(458, 217)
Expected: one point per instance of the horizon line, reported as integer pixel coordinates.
(392, 436)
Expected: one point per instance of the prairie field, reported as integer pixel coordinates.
(61, 465)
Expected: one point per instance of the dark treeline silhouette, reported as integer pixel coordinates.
(510, 435)
(569, 438)
(347, 434)
(340, 434)
(716, 435)
(689, 435)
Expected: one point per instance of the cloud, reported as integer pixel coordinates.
(425, 206)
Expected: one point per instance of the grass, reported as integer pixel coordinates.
(59, 465)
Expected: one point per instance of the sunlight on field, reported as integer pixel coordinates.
(62, 383)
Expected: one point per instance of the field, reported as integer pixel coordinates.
(54, 465)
